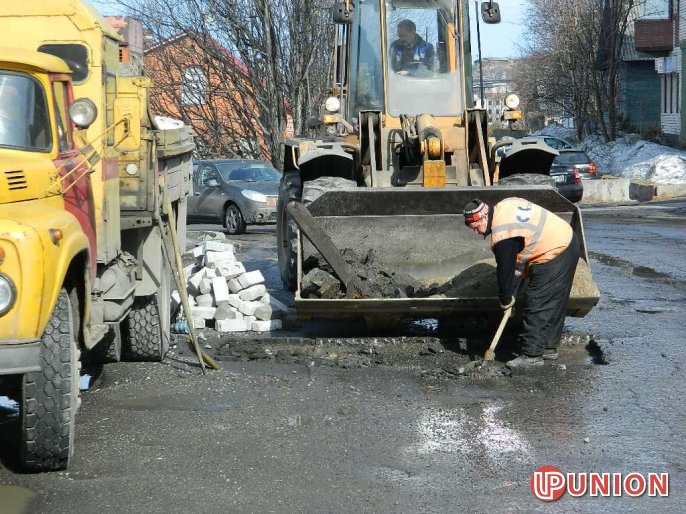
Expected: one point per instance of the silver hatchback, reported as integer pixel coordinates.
(235, 192)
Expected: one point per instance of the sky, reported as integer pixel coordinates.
(496, 40)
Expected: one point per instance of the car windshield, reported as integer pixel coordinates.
(572, 158)
(24, 122)
(258, 172)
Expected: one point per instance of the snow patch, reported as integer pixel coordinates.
(629, 156)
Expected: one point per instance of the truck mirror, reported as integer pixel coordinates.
(212, 183)
(341, 14)
(490, 12)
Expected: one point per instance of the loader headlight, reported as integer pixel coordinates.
(332, 104)
(254, 196)
(512, 101)
(8, 294)
(83, 112)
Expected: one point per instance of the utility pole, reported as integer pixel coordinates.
(478, 42)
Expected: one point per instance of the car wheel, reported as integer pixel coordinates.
(233, 220)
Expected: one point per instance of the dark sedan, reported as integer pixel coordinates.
(567, 177)
(236, 192)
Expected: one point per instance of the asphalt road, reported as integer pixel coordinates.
(283, 434)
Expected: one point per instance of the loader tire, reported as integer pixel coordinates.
(290, 190)
(144, 338)
(50, 397)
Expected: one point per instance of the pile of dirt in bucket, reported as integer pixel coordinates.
(320, 281)
(479, 280)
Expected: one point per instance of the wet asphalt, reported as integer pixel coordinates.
(394, 427)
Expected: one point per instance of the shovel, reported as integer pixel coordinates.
(490, 353)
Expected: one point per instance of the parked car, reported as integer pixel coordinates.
(235, 192)
(555, 142)
(567, 180)
(579, 160)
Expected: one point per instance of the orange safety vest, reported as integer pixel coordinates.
(545, 235)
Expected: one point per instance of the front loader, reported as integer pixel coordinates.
(413, 150)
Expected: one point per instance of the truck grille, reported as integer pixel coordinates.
(15, 180)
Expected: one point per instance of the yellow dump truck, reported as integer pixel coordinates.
(84, 175)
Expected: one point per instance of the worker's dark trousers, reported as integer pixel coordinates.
(546, 300)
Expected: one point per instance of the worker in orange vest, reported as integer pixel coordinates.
(530, 242)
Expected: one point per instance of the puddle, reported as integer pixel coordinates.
(14, 499)
(301, 421)
(161, 403)
(596, 355)
(637, 271)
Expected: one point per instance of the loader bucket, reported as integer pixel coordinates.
(421, 232)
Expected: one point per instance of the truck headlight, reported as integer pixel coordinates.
(83, 112)
(8, 294)
(254, 196)
(512, 101)
(332, 104)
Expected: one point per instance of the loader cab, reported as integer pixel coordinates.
(405, 57)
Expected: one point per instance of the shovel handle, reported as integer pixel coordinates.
(501, 327)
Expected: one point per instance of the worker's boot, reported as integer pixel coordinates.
(550, 354)
(524, 361)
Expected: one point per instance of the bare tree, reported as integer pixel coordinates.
(268, 58)
(572, 59)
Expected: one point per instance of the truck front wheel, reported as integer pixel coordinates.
(50, 396)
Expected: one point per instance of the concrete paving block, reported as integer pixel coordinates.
(253, 293)
(197, 251)
(267, 312)
(205, 286)
(266, 299)
(188, 271)
(220, 289)
(191, 301)
(248, 308)
(210, 273)
(199, 323)
(251, 278)
(218, 257)
(266, 326)
(175, 300)
(205, 300)
(231, 325)
(216, 246)
(227, 312)
(203, 312)
(194, 281)
(234, 301)
(231, 270)
(235, 286)
(249, 319)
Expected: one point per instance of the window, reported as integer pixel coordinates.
(193, 86)
(76, 57)
(422, 56)
(207, 173)
(670, 93)
(61, 112)
(24, 120)
(654, 9)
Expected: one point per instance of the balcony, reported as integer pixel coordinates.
(654, 36)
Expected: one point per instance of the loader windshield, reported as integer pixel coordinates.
(366, 70)
(422, 50)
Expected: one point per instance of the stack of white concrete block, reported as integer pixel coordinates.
(225, 296)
